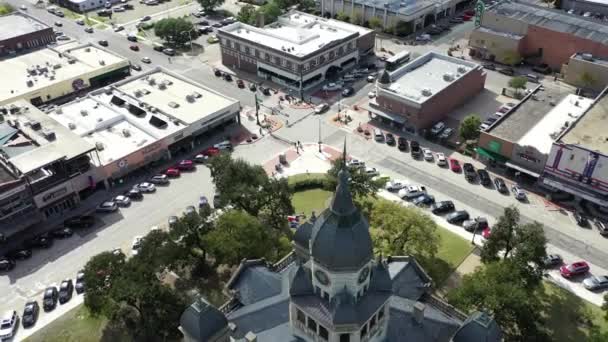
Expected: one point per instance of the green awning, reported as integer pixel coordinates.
(491, 155)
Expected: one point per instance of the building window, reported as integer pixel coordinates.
(322, 59)
(332, 54)
(381, 313)
(300, 316)
(344, 337)
(323, 333)
(313, 63)
(288, 64)
(267, 57)
(257, 53)
(325, 295)
(247, 50)
(277, 60)
(318, 290)
(341, 51)
(363, 331)
(312, 325)
(372, 322)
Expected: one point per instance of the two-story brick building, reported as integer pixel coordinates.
(424, 91)
(298, 51)
(20, 32)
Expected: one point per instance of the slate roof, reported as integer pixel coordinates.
(302, 234)
(257, 283)
(409, 281)
(202, 320)
(553, 20)
(479, 327)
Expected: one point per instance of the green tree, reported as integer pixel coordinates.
(210, 5)
(524, 244)
(356, 19)
(6, 8)
(361, 184)
(557, 4)
(400, 230)
(469, 127)
(596, 335)
(270, 11)
(238, 235)
(98, 273)
(306, 5)
(342, 16)
(375, 23)
(175, 31)
(402, 28)
(548, 2)
(247, 14)
(284, 4)
(517, 83)
(497, 288)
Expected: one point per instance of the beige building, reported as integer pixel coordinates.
(586, 71)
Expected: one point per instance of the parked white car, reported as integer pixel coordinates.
(518, 192)
(8, 325)
(411, 191)
(107, 207)
(428, 155)
(371, 171)
(441, 159)
(395, 185)
(321, 108)
(122, 200)
(371, 94)
(136, 244)
(224, 145)
(355, 163)
(332, 86)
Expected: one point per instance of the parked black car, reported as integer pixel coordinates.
(500, 185)
(507, 71)
(6, 264)
(580, 219)
(30, 314)
(20, 254)
(40, 241)
(348, 91)
(415, 149)
(390, 139)
(84, 221)
(134, 194)
(227, 77)
(402, 144)
(79, 287)
(65, 291)
(489, 66)
(217, 73)
(442, 207)
(484, 177)
(469, 172)
(49, 301)
(62, 233)
(457, 216)
(424, 200)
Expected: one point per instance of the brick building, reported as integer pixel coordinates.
(298, 50)
(20, 32)
(512, 30)
(424, 91)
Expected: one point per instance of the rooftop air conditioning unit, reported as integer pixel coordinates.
(48, 134)
(84, 112)
(153, 109)
(448, 77)
(102, 62)
(138, 93)
(87, 49)
(107, 90)
(71, 61)
(59, 111)
(190, 98)
(162, 86)
(426, 92)
(126, 133)
(462, 69)
(72, 126)
(587, 57)
(30, 83)
(168, 82)
(99, 146)
(52, 77)
(56, 66)
(36, 125)
(151, 81)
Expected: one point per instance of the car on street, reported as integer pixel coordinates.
(172, 221)
(79, 287)
(415, 149)
(200, 158)
(447, 133)
(159, 179)
(119, 28)
(390, 139)
(595, 283)
(185, 165)
(8, 324)
(145, 18)
(217, 72)
(395, 185)
(82, 221)
(438, 128)
(122, 200)
(507, 71)
(518, 192)
(203, 202)
(66, 289)
(63, 38)
(136, 245)
(581, 219)
(60, 14)
(6, 264)
(240, 83)
(23, 8)
(371, 78)
(133, 194)
(30, 314)
(371, 171)
(428, 154)
(602, 227)
(49, 300)
(211, 151)
(145, 187)
(489, 66)
(469, 172)
(442, 207)
(355, 163)
(20, 254)
(217, 25)
(62, 233)
(88, 30)
(552, 260)
(224, 145)
(39, 241)
(484, 177)
(332, 87)
(348, 91)
(321, 108)
(146, 60)
(500, 185)
(103, 42)
(80, 22)
(136, 67)
(107, 207)
(424, 200)
(402, 144)
(58, 24)
(411, 191)
(457, 217)
(134, 47)
(574, 269)
(189, 210)
(441, 159)
(169, 52)
(252, 87)
(476, 224)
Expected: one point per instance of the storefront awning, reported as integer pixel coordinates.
(394, 117)
(491, 155)
(519, 168)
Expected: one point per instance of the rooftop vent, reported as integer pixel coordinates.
(153, 109)
(56, 66)
(126, 133)
(196, 95)
(448, 77)
(145, 91)
(426, 92)
(168, 82)
(84, 112)
(87, 49)
(251, 337)
(36, 125)
(72, 126)
(462, 69)
(71, 61)
(173, 104)
(102, 62)
(30, 83)
(59, 111)
(587, 57)
(190, 98)
(151, 81)
(419, 312)
(48, 134)
(138, 93)
(99, 146)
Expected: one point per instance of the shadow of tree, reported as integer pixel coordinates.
(566, 316)
(436, 268)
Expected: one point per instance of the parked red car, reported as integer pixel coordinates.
(470, 12)
(185, 164)
(211, 151)
(486, 233)
(455, 165)
(574, 269)
(172, 172)
(466, 17)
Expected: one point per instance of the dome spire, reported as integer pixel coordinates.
(342, 203)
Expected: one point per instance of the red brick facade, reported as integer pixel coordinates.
(440, 105)
(37, 39)
(557, 47)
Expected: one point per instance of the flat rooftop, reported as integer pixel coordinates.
(18, 24)
(176, 97)
(37, 70)
(594, 59)
(43, 139)
(590, 130)
(428, 75)
(407, 7)
(500, 33)
(297, 33)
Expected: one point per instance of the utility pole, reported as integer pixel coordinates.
(320, 151)
(257, 109)
(301, 85)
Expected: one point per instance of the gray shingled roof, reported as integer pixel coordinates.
(202, 320)
(479, 327)
(256, 283)
(380, 279)
(301, 284)
(554, 20)
(340, 236)
(302, 234)
(408, 282)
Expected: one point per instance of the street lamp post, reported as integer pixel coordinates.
(190, 38)
(320, 151)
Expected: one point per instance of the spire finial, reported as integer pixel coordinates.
(344, 154)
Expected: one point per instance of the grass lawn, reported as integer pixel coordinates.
(452, 251)
(6, 9)
(305, 176)
(568, 317)
(310, 200)
(70, 14)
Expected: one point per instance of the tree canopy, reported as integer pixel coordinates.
(375, 23)
(175, 31)
(524, 244)
(271, 11)
(469, 127)
(247, 14)
(361, 184)
(518, 82)
(342, 16)
(399, 230)
(210, 5)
